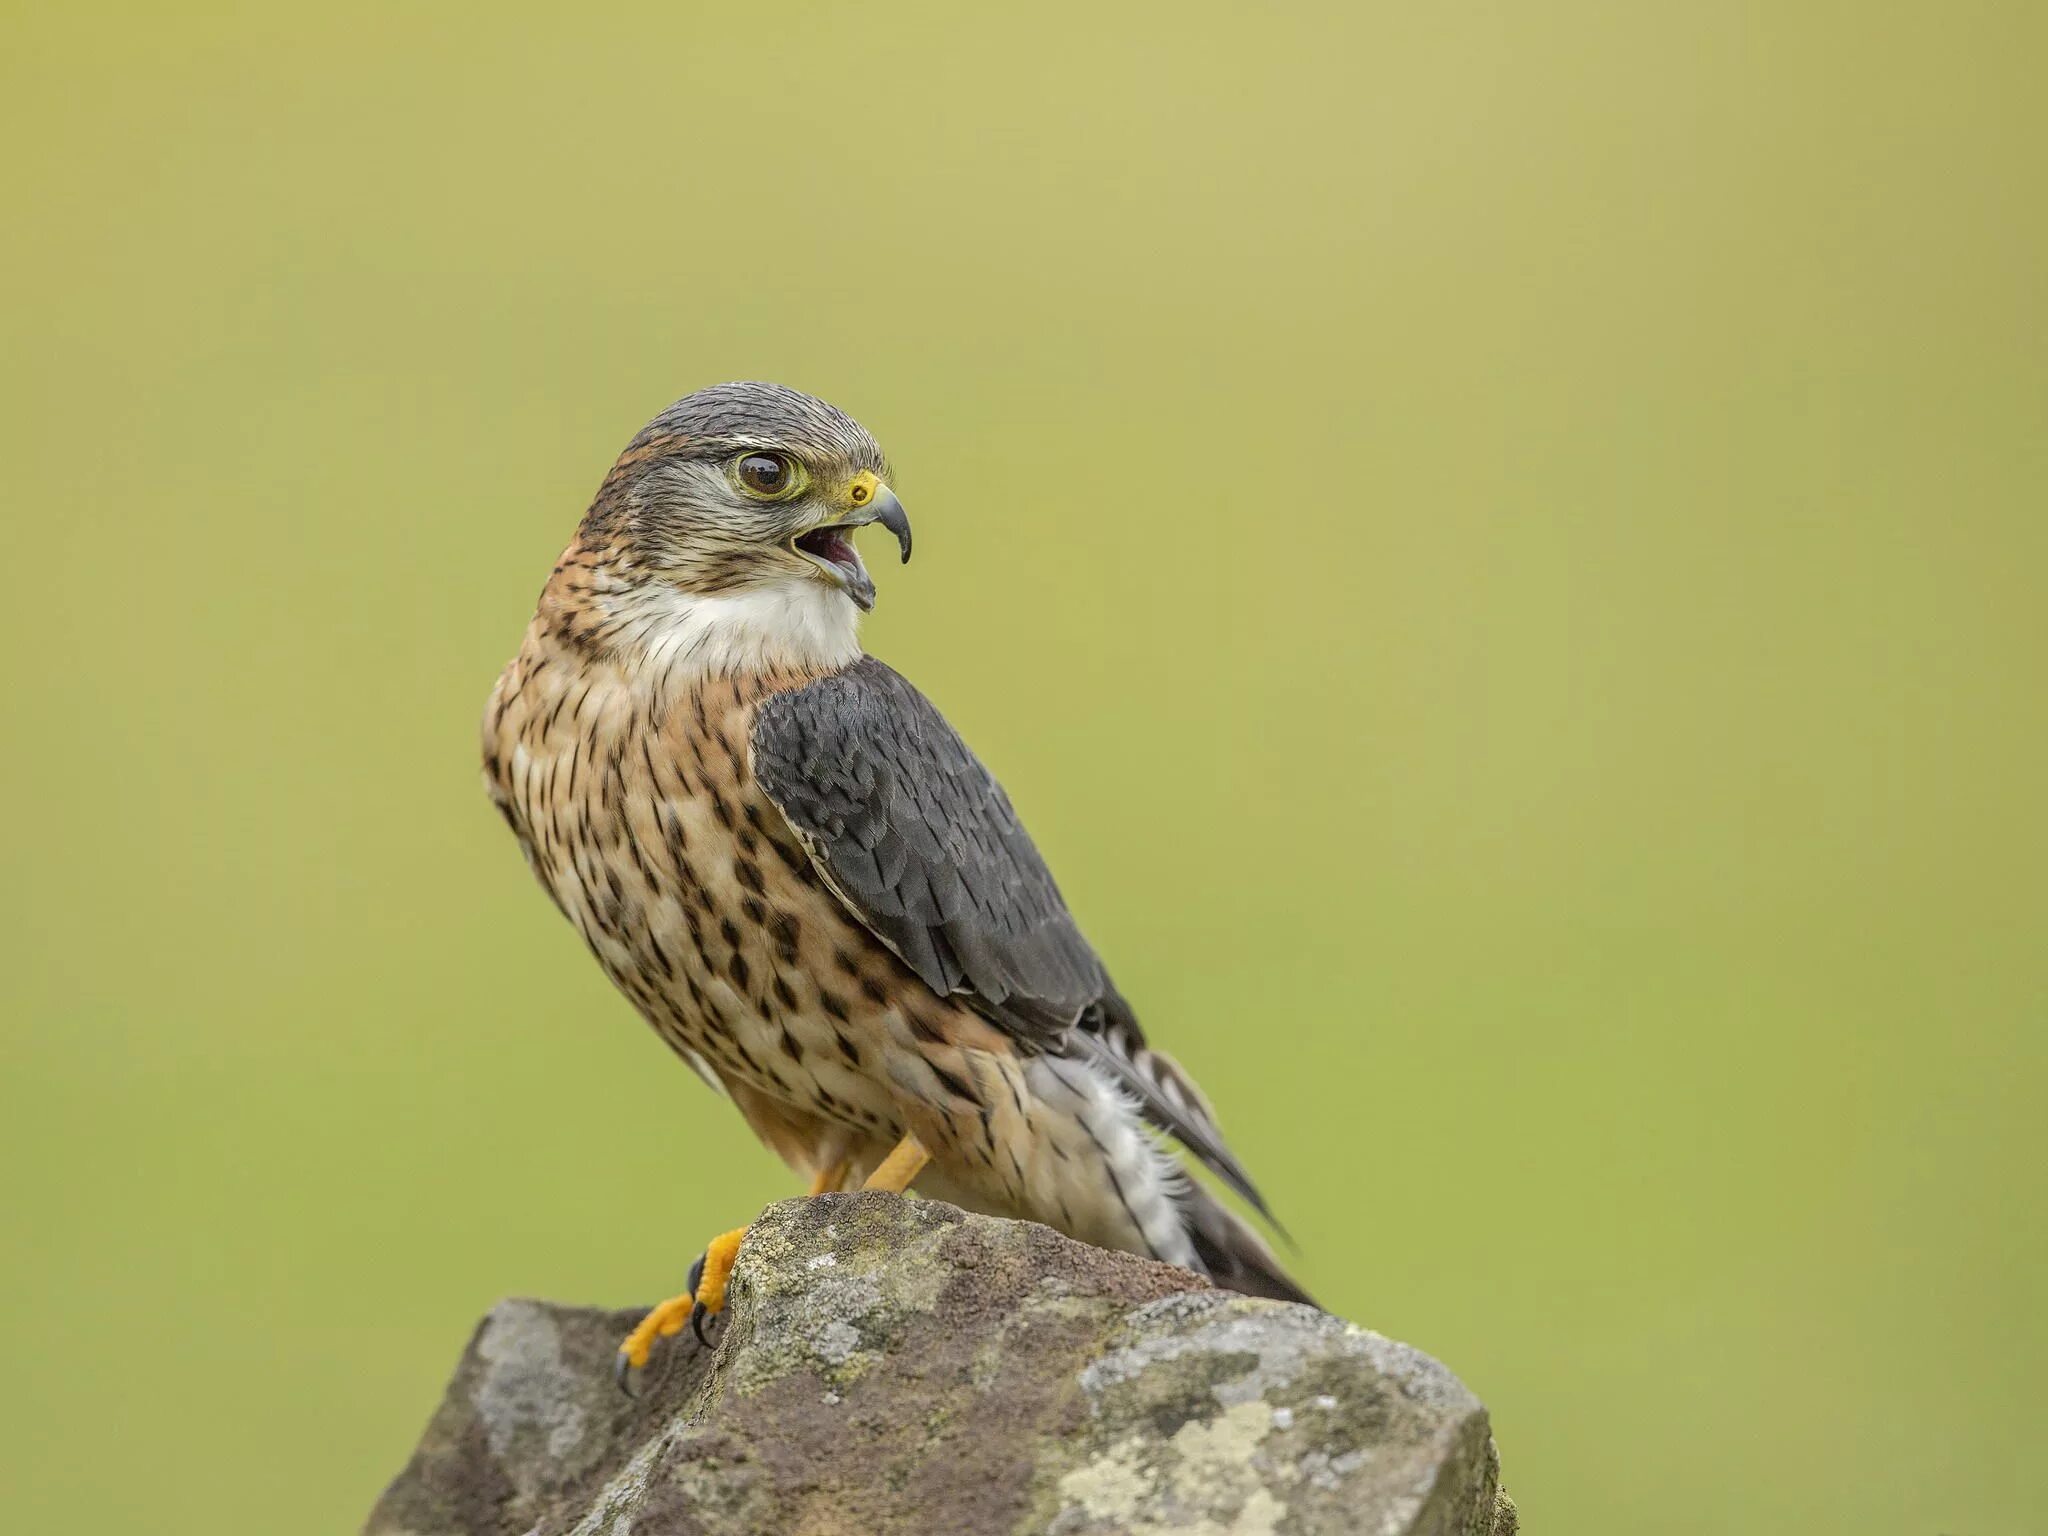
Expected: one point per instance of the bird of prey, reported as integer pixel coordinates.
(792, 865)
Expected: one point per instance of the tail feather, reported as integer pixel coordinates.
(1232, 1253)
(1166, 1095)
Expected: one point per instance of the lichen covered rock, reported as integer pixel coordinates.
(888, 1365)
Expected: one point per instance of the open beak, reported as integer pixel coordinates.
(831, 546)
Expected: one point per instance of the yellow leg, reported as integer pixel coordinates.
(902, 1165)
(826, 1180)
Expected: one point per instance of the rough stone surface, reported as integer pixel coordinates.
(888, 1365)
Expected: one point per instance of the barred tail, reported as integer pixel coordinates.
(1231, 1253)
(1109, 1036)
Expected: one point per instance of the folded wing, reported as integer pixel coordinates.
(917, 838)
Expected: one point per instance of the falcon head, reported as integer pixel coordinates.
(749, 493)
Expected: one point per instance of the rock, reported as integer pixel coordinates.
(889, 1365)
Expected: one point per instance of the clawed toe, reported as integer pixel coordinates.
(708, 1278)
(663, 1322)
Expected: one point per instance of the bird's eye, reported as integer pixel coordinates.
(765, 474)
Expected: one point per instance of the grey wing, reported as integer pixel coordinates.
(908, 828)
(916, 836)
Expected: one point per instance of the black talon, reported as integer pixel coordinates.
(622, 1373)
(693, 1283)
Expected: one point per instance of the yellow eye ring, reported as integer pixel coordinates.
(767, 476)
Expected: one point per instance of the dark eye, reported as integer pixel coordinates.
(765, 474)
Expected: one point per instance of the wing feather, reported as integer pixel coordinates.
(917, 838)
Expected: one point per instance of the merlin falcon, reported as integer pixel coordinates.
(792, 865)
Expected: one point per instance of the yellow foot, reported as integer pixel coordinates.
(710, 1274)
(664, 1322)
(709, 1277)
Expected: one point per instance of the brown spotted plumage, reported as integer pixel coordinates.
(798, 874)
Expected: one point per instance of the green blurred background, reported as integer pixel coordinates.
(1501, 551)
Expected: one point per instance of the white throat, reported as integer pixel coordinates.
(680, 636)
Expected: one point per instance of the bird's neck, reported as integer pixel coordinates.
(667, 637)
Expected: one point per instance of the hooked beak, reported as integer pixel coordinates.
(888, 511)
(831, 545)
